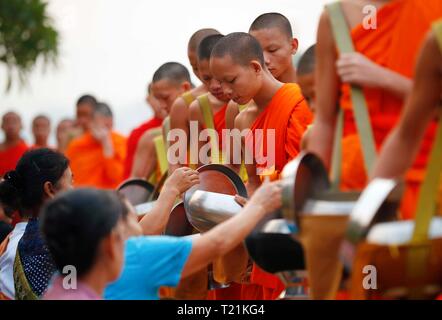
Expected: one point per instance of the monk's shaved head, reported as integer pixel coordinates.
(103, 109)
(273, 20)
(206, 46)
(241, 47)
(198, 36)
(172, 71)
(11, 115)
(11, 125)
(306, 64)
(41, 117)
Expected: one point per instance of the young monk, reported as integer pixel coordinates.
(13, 147)
(97, 157)
(216, 98)
(402, 145)
(179, 115)
(85, 111)
(382, 65)
(306, 76)
(306, 81)
(158, 116)
(217, 103)
(237, 61)
(41, 129)
(274, 33)
(169, 81)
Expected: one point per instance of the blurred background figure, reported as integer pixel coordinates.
(65, 132)
(306, 75)
(41, 129)
(13, 146)
(97, 157)
(85, 111)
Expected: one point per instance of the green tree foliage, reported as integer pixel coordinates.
(26, 34)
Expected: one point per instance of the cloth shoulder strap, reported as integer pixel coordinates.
(161, 153)
(206, 110)
(426, 205)
(242, 107)
(344, 43)
(188, 97)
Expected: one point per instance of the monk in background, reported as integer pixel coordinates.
(97, 157)
(158, 116)
(68, 130)
(216, 98)
(85, 108)
(169, 81)
(306, 76)
(237, 62)
(13, 146)
(179, 112)
(306, 81)
(383, 66)
(41, 129)
(64, 133)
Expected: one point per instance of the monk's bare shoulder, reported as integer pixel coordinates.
(146, 139)
(231, 112)
(196, 92)
(178, 113)
(195, 111)
(215, 103)
(246, 117)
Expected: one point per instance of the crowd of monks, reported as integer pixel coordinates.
(249, 81)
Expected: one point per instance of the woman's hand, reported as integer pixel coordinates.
(268, 196)
(181, 180)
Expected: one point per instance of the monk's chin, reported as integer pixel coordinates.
(241, 101)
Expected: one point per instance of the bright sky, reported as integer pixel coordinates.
(111, 48)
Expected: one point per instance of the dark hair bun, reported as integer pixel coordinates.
(15, 179)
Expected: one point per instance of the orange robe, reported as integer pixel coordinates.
(219, 120)
(90, 167)
(9, 157)
(289, 114)
(401, 29)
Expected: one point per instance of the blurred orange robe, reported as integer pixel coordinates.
(90, 167)
(401, 29)
(289, 114)
(9, 157)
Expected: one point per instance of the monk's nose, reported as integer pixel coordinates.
(266, 59)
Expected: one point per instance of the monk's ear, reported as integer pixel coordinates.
(49, 189)
(186, 86)
(256, 66)
(295, 45)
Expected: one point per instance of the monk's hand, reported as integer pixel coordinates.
(268, 196)
(181, 180)
(100, 133)
(357, 69)
(103, 135)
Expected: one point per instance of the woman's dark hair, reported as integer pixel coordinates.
(22, 188)
(74, 223)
